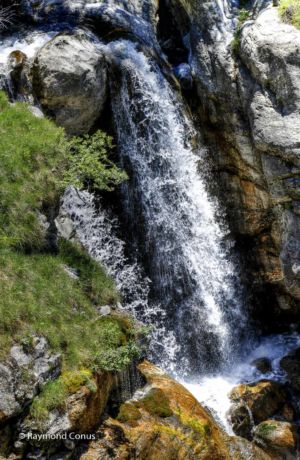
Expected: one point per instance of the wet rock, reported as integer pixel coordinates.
(254, 403)
(69, 79)
(250, 107)
(263, 365)
(184, 74)
(278, 436)
(291, 365)
(9, 405)
(164, 420)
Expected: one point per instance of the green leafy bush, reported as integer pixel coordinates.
(289, 11)
(89, 166)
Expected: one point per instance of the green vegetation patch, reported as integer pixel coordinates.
(38, 295)
(89, 165)
(265, 429)
(129, 413)
(55, 393)
(32, 151)
(37, 163)
(289, 11)
(52, 397)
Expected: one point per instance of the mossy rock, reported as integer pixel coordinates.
(156, 403)
(129, 413)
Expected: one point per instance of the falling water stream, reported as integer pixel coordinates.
(182, 278)
(167, 207)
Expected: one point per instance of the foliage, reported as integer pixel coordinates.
(89, 165)
(243, 16)
(55, 393)
(289, 11)
(116, 358)
(74, 380)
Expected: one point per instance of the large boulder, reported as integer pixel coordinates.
(254, 403)
(163, 420)
(69, 79)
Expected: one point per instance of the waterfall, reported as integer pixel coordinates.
(171, 219)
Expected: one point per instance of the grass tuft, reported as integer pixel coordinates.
(289, 11)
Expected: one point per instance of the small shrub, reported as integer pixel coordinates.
(88, 163)
(289, 11)
(116, 358)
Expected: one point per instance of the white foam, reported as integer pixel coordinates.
(28, 44)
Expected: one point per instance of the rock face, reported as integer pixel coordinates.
(165, 419)
(23, 374)
(69, 79)
(249, 108)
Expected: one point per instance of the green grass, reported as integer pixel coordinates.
(38, 295)
(32, 152)
(289, 11)
(53, 396)
(37, 162)
(55, 393)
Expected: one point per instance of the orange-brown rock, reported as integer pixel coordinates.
(263, 398)
(164, 421)
(278, 436)
(85, 407)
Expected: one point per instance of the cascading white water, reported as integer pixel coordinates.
(168, 206)
(97, 230)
